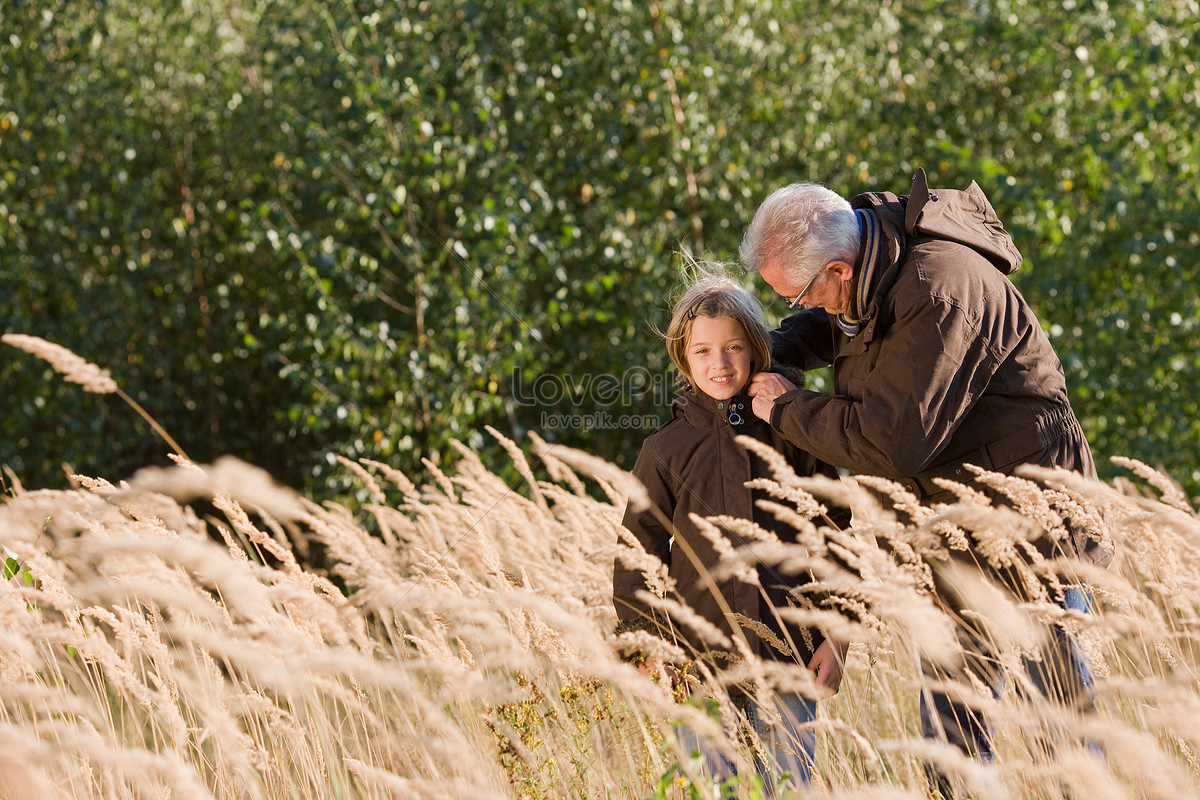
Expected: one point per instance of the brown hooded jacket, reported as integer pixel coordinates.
(949, 366)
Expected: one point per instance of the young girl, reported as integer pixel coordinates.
(718, 339)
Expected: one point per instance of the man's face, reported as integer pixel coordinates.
(830, 291)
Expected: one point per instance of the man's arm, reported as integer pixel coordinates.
(803, 340)
(934, 362)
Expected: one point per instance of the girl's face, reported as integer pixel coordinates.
(718, 356)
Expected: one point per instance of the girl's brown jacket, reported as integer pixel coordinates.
(692, 465)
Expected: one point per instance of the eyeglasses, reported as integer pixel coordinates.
(804, 291)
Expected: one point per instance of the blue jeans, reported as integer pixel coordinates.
(1063, 675)
(789, 745)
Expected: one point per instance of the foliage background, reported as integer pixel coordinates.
(293, 229)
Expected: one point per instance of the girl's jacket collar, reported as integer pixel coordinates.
(706, 413)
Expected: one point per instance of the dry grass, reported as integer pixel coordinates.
(459, 644)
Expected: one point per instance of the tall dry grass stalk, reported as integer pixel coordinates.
(92, 378)
(456, 642)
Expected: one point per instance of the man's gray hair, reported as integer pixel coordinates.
(801, 227)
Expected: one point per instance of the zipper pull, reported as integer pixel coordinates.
(734, 417)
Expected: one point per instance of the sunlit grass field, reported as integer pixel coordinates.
(201, 632)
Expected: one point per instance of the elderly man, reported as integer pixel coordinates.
(938, 361)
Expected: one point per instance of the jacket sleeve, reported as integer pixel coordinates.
(655, 539)
(803, 340)
(934, 362)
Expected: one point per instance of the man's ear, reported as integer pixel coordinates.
(842, 270)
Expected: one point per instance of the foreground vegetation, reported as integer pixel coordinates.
(168, 637)
(369, 227)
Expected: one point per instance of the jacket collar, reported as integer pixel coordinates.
(706, 413)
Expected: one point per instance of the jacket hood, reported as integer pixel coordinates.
(964, 216)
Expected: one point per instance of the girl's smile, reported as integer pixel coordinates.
(719, 357)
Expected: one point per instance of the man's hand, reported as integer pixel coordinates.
(826, 664)
(764, 388)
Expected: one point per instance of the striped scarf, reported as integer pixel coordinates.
(871, 235)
